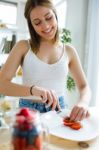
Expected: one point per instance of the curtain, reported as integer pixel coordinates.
(92, 50)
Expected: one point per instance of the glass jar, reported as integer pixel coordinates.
(28, 132)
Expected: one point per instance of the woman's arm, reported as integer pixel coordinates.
(12, 89)
(79, 111)
(9, 69)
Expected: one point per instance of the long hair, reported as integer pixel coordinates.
(35, 39)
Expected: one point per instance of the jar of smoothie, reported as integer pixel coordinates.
(27, 130)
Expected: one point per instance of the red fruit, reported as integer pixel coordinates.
(25, 112)
(39, 142)
(19, 143)
(27, 126)
(76, 126)
(72, 124)
(23, 143)
(20, 119)
(68, 122)
(30, 147)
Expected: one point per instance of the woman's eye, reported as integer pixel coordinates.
(49, 18)
(38, 23)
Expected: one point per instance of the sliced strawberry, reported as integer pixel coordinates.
(76, 126)
(20, 119)
(68, 122)
(25, 112)
(39, 142)
(72, 124)
(23, 143)
(16, 143)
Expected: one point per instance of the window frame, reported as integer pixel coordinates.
(10, 3)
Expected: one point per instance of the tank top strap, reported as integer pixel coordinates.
(65, 52)
(29, 44)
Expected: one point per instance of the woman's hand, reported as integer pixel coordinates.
(48, 96)
(79, 112)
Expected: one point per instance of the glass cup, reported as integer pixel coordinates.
(46, 136)
(29, 132)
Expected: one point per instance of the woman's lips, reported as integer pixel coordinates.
(48, 31)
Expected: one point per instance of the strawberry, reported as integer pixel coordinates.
(76, 126)
(67, 121)
(20, 119)
(29, 114)
(72, 124)
(24, 112)
(39, 142)
(26, 130)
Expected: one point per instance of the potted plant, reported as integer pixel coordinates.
(65, 37)
(71, 90)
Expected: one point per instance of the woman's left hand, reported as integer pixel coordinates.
(79, 112)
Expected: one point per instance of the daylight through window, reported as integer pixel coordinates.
(8, 12)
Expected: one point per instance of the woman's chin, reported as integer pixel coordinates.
(48, 38)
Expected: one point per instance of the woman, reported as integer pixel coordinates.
(45, 63)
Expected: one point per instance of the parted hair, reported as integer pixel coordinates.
(35, 39)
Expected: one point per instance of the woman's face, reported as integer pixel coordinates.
(44, 22)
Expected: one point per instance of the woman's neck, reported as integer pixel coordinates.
(48, 45)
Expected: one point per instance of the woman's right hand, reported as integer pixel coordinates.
(48, 96)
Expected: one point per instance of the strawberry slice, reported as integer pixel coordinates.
(25, 112)
(76, 126)
(19, 143)
(68, 122)
(20, 119)
(38, 142)
(72, 124)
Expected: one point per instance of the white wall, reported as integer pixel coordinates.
(61, 8)
(92, 50)
(77, 21)
(21, 22)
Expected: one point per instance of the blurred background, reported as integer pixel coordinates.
(80, 17)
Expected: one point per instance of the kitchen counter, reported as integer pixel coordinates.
(56, 143)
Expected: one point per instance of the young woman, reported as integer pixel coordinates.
(45, 63)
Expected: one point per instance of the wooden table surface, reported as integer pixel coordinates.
(55, 143)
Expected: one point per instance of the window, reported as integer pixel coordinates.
(92, 50)
(8, 12)
(61, 8)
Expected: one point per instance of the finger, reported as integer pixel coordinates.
(87, 114)
(74, 113)
(58, 106)
(55, 100)
(54, 104)
(44, 96)
(49, 99)
(81, 114)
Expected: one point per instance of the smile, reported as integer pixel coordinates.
(48, 31)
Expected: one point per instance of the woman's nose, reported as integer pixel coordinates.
(45, 25)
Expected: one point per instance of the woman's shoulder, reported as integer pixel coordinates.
(20, 48)
(70, 50)
(23, 45)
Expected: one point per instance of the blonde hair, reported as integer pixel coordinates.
(35, 39)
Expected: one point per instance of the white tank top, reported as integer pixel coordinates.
(49, 76)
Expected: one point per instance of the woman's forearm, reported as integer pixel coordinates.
(12, 89)
(85, 95)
